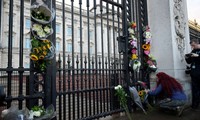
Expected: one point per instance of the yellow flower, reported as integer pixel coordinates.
(41, 57)
(36, 50)
(44, 48)
(134, 57)
(140, 93)
(34, 57)
(40, 48)
(44, 53)
(48, 46)
(46, 41)
(146, 46)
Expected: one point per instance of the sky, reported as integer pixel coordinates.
(193, 7)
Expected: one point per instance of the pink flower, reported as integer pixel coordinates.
(133, 51)
(150, 62)
(147, 52)
(134, 43)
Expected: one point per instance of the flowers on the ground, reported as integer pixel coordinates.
(42, 114)
(37, 111)
(122, 97)
(134, 60)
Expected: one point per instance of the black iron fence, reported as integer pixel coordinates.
(80, 79)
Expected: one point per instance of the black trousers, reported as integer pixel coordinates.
(195, 76)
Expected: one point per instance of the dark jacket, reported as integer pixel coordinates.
(195, 63)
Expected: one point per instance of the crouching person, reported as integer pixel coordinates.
(169, 90)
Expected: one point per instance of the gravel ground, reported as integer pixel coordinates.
(188, 114)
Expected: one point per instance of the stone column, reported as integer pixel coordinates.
(168, 22)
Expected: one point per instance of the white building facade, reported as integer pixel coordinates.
(110, 32)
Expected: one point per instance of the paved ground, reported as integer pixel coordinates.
(188, 114)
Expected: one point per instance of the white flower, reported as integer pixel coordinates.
(118, 87)
(37, 113)
(38, 12)
(41, 34)
(147, 34)
(131, 31)
(152, 66)
(136, 65)
(37, 27)
(47, 29)
(31, 115)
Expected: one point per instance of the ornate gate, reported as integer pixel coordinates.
(92, 56)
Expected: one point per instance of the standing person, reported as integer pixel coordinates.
(193, 59)
(170, 90)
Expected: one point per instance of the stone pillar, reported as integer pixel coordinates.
(168, 22)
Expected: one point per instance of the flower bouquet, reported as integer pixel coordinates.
(13, 113)
(42, 51)
(122, 97)
(36, 113)
(41, 31)
(136, 65)
(41, 13)
(142, 95)
(151, 63)
(135, 96)
(39, 113)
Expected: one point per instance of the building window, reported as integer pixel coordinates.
(28, 23)
(5, 43)
(58, 28)
(27, 43)
(58, 46)
(91, 50)
(78, 33)
(69, 47)
(91, 34)
(27, 65)
(69, 31)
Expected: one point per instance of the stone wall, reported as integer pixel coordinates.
(169, 27)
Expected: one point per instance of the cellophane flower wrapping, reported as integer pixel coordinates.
(13, 113)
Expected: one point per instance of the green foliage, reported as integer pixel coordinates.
(122, 97)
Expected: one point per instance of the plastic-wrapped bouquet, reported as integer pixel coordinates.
(36, 113)
(39, 113)
(41, 13)
(13, 113)
(41, 31)
(42, 51)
